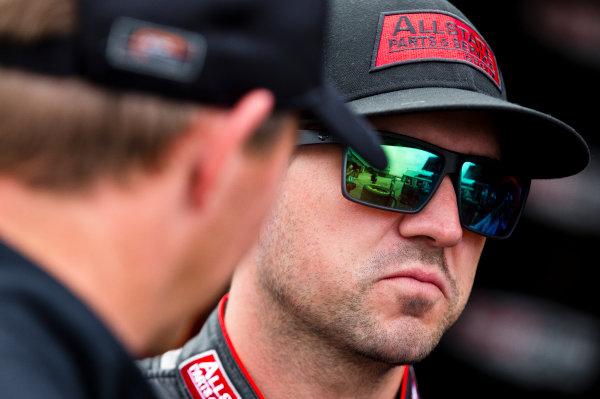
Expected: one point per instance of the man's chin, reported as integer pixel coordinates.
(404, 341)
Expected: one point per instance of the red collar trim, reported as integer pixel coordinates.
(404, 385)
(232, 349)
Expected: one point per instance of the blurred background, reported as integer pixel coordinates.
(532, 326)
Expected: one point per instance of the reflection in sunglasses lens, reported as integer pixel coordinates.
(406, 184)
(489, 202)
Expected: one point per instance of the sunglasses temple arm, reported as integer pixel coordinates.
(307, 137)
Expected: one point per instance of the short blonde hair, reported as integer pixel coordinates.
(29, 20)
(63, 133)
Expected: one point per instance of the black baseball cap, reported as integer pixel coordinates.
(407, 56)
(207, 51)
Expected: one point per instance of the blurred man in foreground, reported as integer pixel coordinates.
(140, 146)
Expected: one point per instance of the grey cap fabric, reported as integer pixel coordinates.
(405, 56)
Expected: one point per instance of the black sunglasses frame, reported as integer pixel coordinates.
(452, 165)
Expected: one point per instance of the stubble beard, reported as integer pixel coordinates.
(344, 322)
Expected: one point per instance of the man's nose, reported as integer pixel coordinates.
(438, 221)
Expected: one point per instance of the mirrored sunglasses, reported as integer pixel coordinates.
(490, 197)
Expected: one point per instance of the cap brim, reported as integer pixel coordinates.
(351, 129)
(541, 145)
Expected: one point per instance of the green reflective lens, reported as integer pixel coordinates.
(406, 184)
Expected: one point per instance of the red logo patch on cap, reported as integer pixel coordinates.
(416, 36)
(205, 377)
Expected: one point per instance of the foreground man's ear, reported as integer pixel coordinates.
(224, 134)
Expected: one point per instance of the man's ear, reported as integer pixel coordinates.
(226, 133)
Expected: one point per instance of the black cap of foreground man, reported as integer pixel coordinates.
(207, 51)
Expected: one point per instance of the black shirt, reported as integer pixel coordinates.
(52, 345)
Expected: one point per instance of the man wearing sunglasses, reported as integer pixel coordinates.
(359, 271)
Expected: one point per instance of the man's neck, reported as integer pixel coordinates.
(77, 240)
(284, 362)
